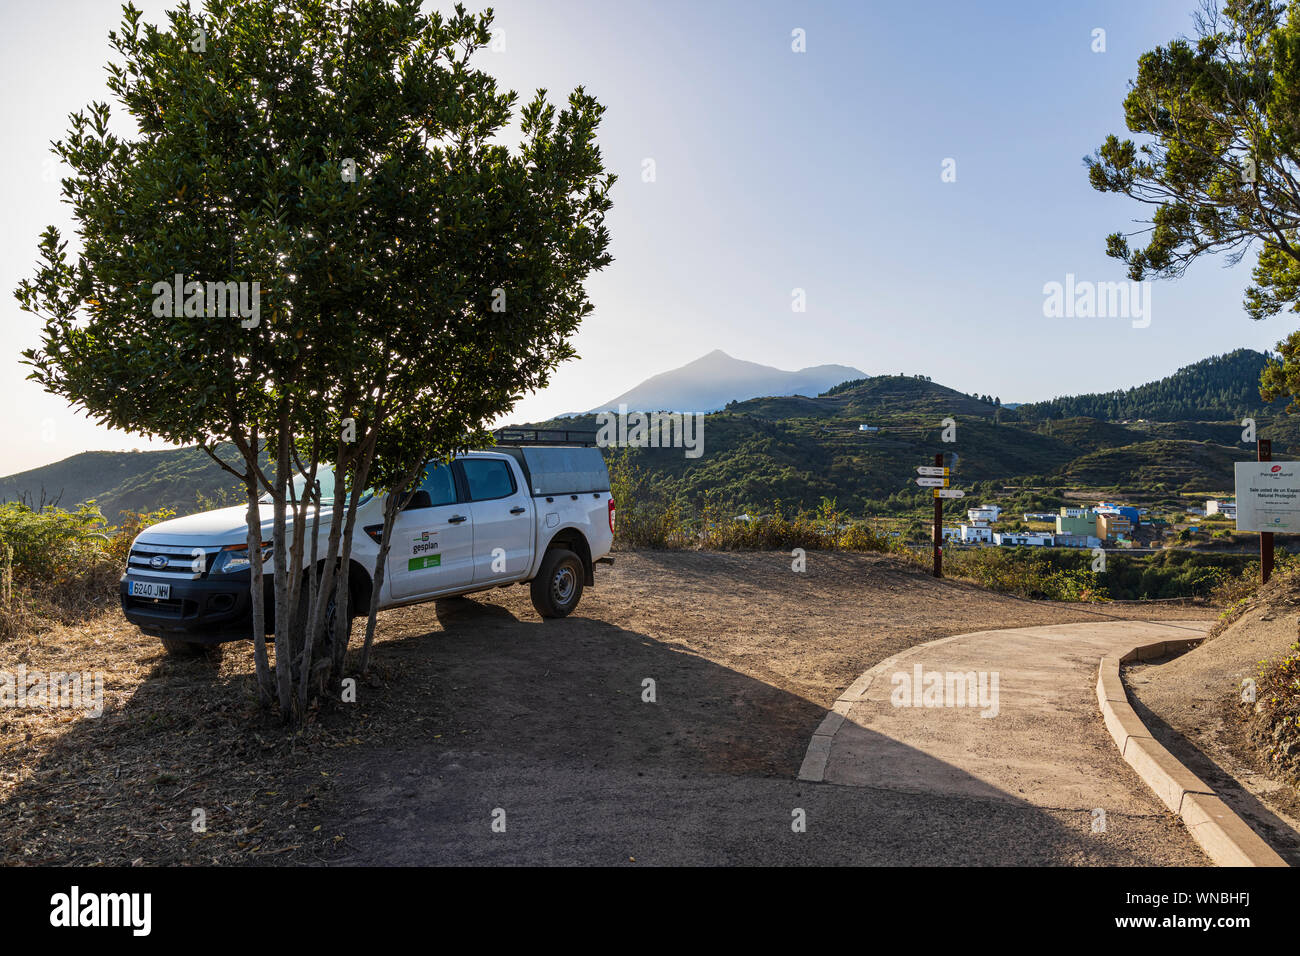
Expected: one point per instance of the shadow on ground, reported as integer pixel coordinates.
(549, 730)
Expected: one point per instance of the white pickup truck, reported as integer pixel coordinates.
(535, 513)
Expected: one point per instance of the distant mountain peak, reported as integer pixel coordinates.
(709, 382)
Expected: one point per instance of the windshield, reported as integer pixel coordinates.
(325, 476)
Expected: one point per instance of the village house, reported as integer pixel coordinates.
(1077, 541)
(1039, 539)
(1113, 525)
(1083, 522)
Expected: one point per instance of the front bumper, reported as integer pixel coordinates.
(206, 611)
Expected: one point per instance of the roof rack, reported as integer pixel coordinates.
(545, 436)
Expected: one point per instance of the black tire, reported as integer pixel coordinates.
(557, 589)
(331, 611)
(175, 647)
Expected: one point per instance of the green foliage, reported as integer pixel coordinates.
(648, 519)
(1030, 573)
(1219, 124)
(51, 545)
(1234, 591)
(1066, 574)
(415, 274)
(1274, 717)
(56, 563)
(1179, 464)
(1220, 388)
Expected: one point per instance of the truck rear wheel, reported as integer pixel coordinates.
(558, 586)
(178, 648)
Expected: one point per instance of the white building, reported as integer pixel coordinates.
(1218, 506)
(1076, 512)
(1031, 539)
(1077, 541)
(976, 534)
(984, 513)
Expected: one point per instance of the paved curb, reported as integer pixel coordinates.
(813, 769)
(1224, 836)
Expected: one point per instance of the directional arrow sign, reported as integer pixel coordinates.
(931, 470)
(949, 493)
(932, 482)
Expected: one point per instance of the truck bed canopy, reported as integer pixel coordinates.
(561, 470)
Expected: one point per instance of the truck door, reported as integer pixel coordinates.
(503, 519)
(433, 539)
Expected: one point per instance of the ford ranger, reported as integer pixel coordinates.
(534, 514)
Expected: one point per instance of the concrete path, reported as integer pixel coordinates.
(903, 787)
(1037, 740)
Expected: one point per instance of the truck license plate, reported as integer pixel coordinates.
(151, 589)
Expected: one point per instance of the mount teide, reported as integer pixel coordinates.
(710, 382)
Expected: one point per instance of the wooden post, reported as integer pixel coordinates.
(938, 525)
(1264, 448)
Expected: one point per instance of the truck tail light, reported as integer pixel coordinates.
(611, 514)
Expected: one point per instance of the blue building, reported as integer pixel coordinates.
(1133, 514)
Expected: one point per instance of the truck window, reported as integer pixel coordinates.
(488, 478)
(440, 485)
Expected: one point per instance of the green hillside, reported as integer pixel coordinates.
(125, 481)
(1220, 388)
(798, 450)
(1173, 465)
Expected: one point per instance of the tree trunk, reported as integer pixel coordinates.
(391, 509)
(321, 591)
(398, 498)
(257, 590)
(284, 632)
(343, 588)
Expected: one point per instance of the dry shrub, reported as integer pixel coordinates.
(56, 566)
(1273, 718)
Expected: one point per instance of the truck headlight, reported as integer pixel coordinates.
(234, 558)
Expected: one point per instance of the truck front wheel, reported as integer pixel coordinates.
(558, 586)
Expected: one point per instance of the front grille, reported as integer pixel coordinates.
(163, 608)
(181, 565)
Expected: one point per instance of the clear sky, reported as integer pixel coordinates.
(774, 170)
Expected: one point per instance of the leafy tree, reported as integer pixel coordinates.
(415, 276)
(1220, 160)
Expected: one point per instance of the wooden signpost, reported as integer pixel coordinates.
(936, 477)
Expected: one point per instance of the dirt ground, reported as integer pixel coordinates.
(744, 656)
(1192, 704)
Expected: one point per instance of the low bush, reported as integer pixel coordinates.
(1273, 718)
(56, 565)
(1026, 572)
